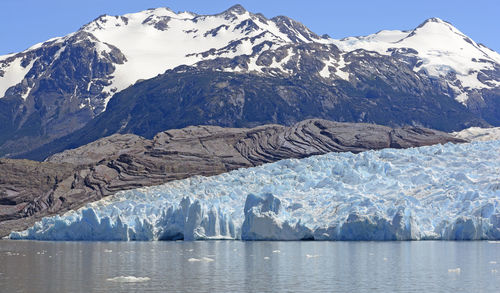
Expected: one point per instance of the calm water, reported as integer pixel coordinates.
(232, 266)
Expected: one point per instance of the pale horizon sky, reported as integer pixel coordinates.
(24, 23)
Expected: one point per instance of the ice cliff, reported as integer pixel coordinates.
(447, 192)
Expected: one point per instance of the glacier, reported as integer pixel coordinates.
(478, 134)
(447, 192)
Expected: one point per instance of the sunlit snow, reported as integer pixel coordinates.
(479, 134)
(150, 51)
(14, 74)
(441, 48)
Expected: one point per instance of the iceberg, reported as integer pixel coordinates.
(449, 192)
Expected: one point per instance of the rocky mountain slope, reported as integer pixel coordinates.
(198, 95)
(53, 89)
(30, 190)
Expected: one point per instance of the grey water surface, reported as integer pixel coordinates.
(234, 266)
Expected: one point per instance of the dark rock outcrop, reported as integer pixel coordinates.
(30, 190)
(193, 96)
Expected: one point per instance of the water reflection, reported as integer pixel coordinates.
(231, 266)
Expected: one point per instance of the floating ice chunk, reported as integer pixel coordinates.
(128, 279)
(276, 251)
(203, 259)
(455, 271)
(312, 255)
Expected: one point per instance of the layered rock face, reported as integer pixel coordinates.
(121, 162)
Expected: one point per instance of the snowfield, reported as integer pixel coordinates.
(447, 192)
(156, 40)
(478, 134)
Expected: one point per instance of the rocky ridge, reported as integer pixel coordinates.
(30, 190)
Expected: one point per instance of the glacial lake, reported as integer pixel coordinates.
(234, 266)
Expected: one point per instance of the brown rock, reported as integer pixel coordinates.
(31, 190)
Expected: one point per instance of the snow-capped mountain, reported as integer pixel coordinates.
(440, 50)
(57, 87)
(156, 40)
(142, 45)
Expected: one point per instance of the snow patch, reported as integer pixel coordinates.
(478, 134)
(14, 74)
(338, 65)
(462, 98)
(280, 65)
(471, 81)
(39, 45)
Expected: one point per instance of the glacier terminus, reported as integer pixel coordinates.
(446, 192)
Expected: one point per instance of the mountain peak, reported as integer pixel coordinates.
(237, 9)
(158, 10)
(436, 22)
(435, 19)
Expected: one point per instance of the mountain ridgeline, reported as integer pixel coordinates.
(147, 72)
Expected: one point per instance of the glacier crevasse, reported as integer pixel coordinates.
(447, 192)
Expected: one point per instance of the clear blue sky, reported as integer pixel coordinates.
(26, 22)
